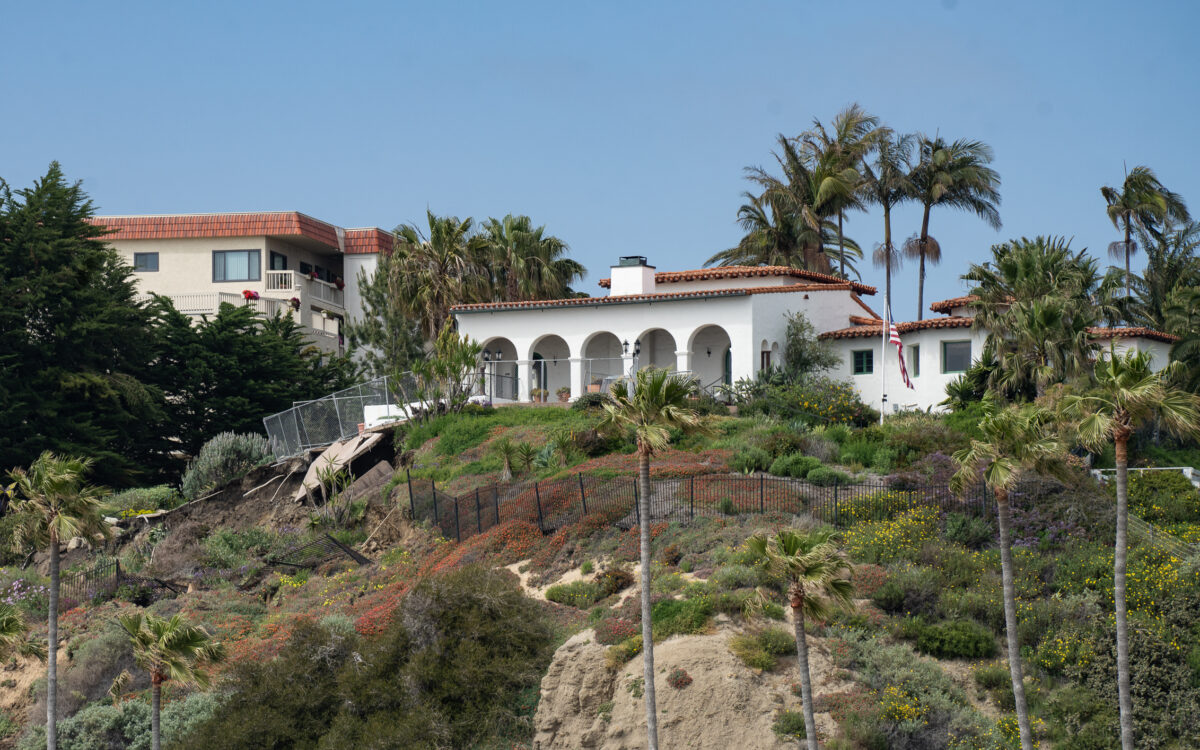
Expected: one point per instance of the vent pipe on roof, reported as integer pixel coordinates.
(631, 275)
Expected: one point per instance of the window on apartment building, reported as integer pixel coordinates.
(278, 261)
(863, 361)
(237, 265)
(145, 261)
(322, 274)
(305, 268)
(956, 356)
(914, 360)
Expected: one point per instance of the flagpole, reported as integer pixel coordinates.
(883, 342)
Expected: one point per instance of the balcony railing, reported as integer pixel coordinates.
(206, 303)
(292, 283)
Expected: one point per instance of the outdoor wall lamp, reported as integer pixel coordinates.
(637, 348)
(625, 346)
(487, 355)
(708, 351)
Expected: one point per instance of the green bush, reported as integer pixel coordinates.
(747, 648)
(796, 465)
(824, 476)
(226, 457)
(455, 668)
(162, 497)
(613, 580)
(126, 726)
(789, 725)
(991, 676)
(750, 459)
(578, 594)
(589, 402)
(884, 461)
(229, 549)
(680, 617)
(777, 641)
(1163, 497)
(859, 450)
(782, 441)
(736, 576)
(972, 532)
(912, 590)
(838, 433)
(960, 639)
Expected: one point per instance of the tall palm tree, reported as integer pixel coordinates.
(650, 405)
(818, 577)
(1128, 394)
(1171, 264)
(1037, 299)
(1015, 440)
(525, 263)
(438, 270)
(55, 506)
(886, 184)
(840, 154)
(955, 175)
(1182, 313)
(169, 649)
(1143, 203)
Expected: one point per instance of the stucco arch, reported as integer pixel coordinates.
(658, 349)
(499, 381)
(709, 355)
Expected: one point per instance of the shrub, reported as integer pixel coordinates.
(901, 538)
(972, 532)
(909, 591)
(731, 577)
(226, 457)
(820, 447)
(613, 580)
(750, 459)
(670, 555)
(589, 402)
(613, 630)
(680, 617)
(126, 725)
(958, 639)
(619, 655)
(578, 594)
(858, 450)
(823, 476)
(790, 725)
(796, 465)
(991, 676)
(587, 567)
(678, 678)
(747, 648)
(161, 497)
(228, 549)
(783, 442)
(885, 460)
(838, 433)
(777, 641)
(1163, 497)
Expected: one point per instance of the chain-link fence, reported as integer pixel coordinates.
(311, 424)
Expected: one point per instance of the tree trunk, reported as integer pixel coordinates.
(155, 710)
(647, 626)
(1124, 699)
(1127, 274)
(841, 246)
(52, 656)
(921, 279)
(810, 722)
(1010, 619)
(887, 259)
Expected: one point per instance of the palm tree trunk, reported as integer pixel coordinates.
(647, 626)
(155, 710)
(921, 279)
(1010, 619)
(810, 725)
(887, 260)
(841, 246)
(1124, 699)
(1127, 274)
(52, 656)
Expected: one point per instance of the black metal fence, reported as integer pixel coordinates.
(553, 504)
(311, 554)
(104, 579)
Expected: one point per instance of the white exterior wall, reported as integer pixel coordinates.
(929, 387)
(356, 264)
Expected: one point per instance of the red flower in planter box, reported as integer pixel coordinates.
(339, 283)
(312, 275)
(295, 302)
(249, 294)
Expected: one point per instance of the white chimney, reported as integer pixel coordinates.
(631, 275)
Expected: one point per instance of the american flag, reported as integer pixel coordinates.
(894, 337)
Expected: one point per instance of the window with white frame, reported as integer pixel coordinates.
(237, 265)
(143, 262)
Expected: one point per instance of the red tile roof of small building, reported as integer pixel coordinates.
(733, 272)
(876, 329)
(946, 305)
(1132, 332)
(657, 297)
(260, 224)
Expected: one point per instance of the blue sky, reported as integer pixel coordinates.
(621, 126)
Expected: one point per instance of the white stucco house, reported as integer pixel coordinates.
(724, 324)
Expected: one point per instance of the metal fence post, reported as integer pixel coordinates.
(496, 502)
(537, 494)
(762, 493)
(836, 485)
(582, 494)
(692, 498)
(412, 498)
(637, 504)
(478, 513)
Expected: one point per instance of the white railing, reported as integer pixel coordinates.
(1192, 475)
(282, 281)
(327, 293)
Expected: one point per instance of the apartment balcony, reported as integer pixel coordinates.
(288, 284)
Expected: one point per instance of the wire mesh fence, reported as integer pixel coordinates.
(102, 581)
(340, 415)
(554, 504)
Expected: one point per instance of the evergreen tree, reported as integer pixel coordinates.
(74, 343)
(388, 336)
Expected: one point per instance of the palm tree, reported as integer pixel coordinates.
(1144, 203)
(1037, 299)
(525, 264)
(818, 577)
(13, 635)
(1182, 313)
(55, 506)
(1015, 439)
(1171, 264)
(435, 272)
(840, 155)
(1128, 394)
(652, 404)
(169, 649)
(955, 175)
(886, 184)
(507, 450)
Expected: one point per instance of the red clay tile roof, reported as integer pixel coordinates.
(263, 224)
(659, 297)
(1132, 332)
(368, 240)
(859, 320)
(946, 305)
(864, 331)
(732, 272)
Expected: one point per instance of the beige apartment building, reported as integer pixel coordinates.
(277, 262)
